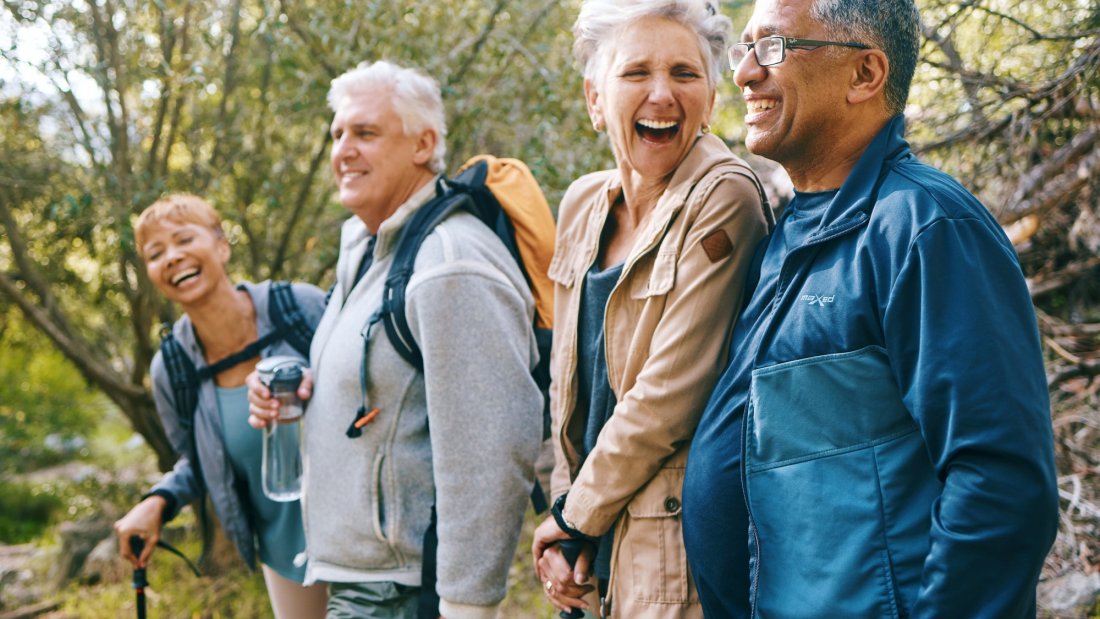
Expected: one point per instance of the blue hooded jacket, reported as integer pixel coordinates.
(880, 444)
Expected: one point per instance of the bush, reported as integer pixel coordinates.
(25, 512)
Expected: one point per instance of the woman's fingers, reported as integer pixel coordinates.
(558, 582)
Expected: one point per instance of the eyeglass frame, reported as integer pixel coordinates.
(785, 43)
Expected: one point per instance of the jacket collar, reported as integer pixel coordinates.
(707, 153)
(353, 237)
(857, 196)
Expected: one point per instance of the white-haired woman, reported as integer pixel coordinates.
(649, 267)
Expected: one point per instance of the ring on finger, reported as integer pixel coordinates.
(548, 585)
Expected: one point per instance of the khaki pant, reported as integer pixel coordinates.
(371, 600)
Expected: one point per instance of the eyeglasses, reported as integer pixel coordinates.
(772, 50)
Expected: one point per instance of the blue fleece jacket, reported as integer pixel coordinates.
(880, 444)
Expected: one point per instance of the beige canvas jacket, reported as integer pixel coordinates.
(667, 327)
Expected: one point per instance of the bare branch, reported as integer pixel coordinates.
(229, 84)
(490, 24)
(1063, 278)
(1050, 192)
(1035, 34)
(955, 64)
(167, 47)
(1090, 368)
(177, 109)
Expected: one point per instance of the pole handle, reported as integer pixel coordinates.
(137, 544)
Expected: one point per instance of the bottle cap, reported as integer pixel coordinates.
(268, 368)
(287, 378)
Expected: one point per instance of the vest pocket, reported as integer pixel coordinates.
(652, 562)
(378, 513)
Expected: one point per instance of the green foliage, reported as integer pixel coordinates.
(173, 591)
(41, 395)
(25, 512)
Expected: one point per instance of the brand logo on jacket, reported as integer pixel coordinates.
(817, 299)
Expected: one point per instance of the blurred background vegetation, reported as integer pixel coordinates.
(107, 104)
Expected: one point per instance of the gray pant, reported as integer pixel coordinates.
(371, 600)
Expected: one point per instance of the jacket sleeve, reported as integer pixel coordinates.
(571, 208)
(485, 415)
(180, 484)
(961, 333)
(658, 414)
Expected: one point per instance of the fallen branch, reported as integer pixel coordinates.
(1061, 279)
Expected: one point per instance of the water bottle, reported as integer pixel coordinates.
(281, 468)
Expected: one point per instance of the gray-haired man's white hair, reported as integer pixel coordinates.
(416, 98)
(600, 20)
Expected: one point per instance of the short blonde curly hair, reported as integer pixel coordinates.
(181, 208)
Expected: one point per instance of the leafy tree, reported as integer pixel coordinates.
(226, 100)
(46, 408)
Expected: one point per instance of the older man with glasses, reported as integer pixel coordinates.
(880, 443)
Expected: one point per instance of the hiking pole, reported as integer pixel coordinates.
(571, 549)
(136, 546)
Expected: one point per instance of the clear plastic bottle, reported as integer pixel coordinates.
(281, 468)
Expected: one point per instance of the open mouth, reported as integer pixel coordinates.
(758, 106)
(657, 131)
(183, 276)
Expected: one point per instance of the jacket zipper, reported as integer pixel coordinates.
(769, 330)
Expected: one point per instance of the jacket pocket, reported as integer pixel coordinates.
(378, 511)
(839, 487)
(656, 278)
(652, 566)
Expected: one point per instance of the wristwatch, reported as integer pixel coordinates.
(559, 517)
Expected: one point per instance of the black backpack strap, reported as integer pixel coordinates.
(397, 280)
(252, 350)
(185, 380)
(287, 316)
(182, 376)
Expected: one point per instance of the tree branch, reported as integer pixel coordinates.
(28, 272)
(229, 84)
(1061, 279)
(317, 51)
(490, 24)
(304, 192)
(94, 369)
(955, 64)
(1056, 190)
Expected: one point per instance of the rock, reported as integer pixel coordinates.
(104, 564)
(1074, 593)
(18, 585)
(77, 541)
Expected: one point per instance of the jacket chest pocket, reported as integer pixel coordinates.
(654, 276)
(566, 264)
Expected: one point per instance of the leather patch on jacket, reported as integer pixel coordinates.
(717, 244)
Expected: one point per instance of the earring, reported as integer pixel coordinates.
(706, 128)
(597, 126)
